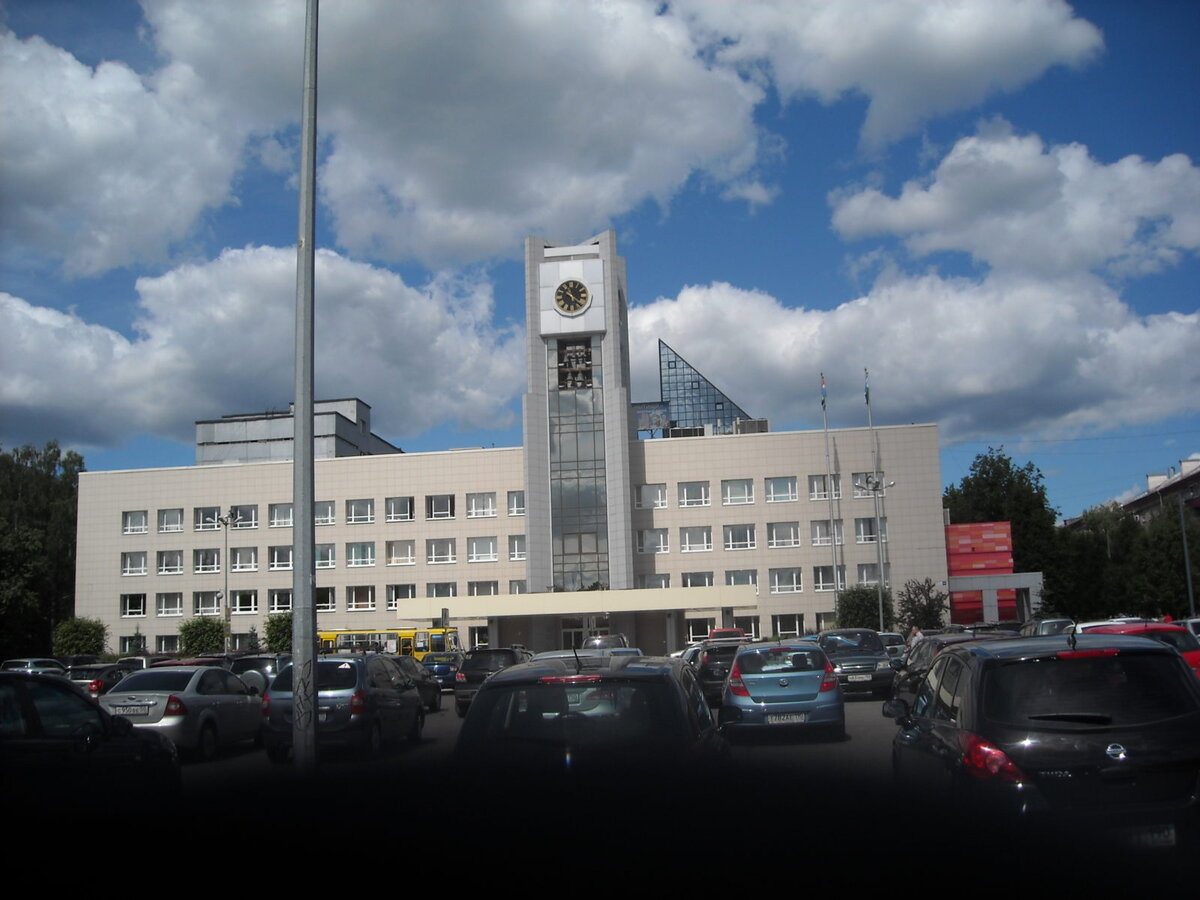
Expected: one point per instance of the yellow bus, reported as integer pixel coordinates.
(413, 641)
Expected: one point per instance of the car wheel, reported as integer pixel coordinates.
(836, 731)
(436, 703)
(418, 725)
(461, 710)
(206, 747)
(373, 745)
(258, 739)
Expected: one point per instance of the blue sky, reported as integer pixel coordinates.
(993, 205)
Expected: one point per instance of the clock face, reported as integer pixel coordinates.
(572, 297)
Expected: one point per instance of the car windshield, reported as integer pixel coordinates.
(332, 675)
(852, 642)
(780, 660)
(1081, 691)
(488, 660)
(439, 658)
(156, 680)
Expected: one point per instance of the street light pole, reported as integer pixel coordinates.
(225, 522)
(876, 486)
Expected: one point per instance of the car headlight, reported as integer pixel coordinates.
(837, 670)
(883, 664)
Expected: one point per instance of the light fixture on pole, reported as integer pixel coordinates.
(876, 486)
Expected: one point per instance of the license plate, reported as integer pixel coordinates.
(787, 718)
(858, 677)
(1149, 836)
(130, 710)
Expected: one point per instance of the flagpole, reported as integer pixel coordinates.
(829, 492)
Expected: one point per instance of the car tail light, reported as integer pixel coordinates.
(737, 687)
(95, 687)
(987, 761)
(830, 681)
(266, 705)
(1083, 654)
(358, 703)
(175, 707)
(569, 679)
(460, 677)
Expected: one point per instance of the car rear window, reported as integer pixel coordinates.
(332, 675)
(156, 680)
(440, 658)
(488, 660)
(1089, 691)
(772, 660)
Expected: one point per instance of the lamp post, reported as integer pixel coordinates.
(875, 485)
(230, 518)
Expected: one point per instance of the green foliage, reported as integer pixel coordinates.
(77, 637)
(279, 633)
(38, 491)
(921, 603)
(252, 644)
(201, 635)
(137, 646)
(858, 607)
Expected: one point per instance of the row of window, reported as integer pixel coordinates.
(699, 538)
(785, 580)
(740, 491)
(358, 554)
(358, 512)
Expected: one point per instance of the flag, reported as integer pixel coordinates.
(867, 386)
(822, 390)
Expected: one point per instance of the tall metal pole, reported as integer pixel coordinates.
(829, 494)
(876, 485)
(304, 614)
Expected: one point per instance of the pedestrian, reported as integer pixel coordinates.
(915, 636)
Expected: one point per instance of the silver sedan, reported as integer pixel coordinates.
(200, 708)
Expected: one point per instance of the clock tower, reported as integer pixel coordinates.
(577, 416)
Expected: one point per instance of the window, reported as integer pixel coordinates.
(788, 625)
(323, 513)
(783, 534)
(133, 606)
(206, 603)
(439, 550)
(483, 588)
(132, 643)
(134, 522)
(741, 576)
(517, 586)
(786, 581)
(205, 518)
(398, 592)
(516, 547)
(401, 553)
(359, 554)
(244, 602)
(439, 506)
(862, 485)
(737, 491)
(245, 516)
(326, 556)
(818, 487)
(399, 509)
(170, 562)
(243, 559)
(653, 540)
(697, 579)
(324, 599)
(864, 530)
(169, 604)
(516, 503)
(693, 493)
(360, 512)
(441, 589)
(281, 601)
(167, 643)
(698, 629)
(281, 558)
(481, 506)
(740, 537)
(821, 534)
(823, 578)
(280, 515)
(695, 539)
(781, 490)
(206, 561)
(656, 580)
(868, 573)
(170, 520)
(133, 563)
(360, 598)
(481, 549)
(650, 496)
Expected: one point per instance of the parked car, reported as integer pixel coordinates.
(1168, 633)
(200, 708)
(269, 664)
(776, 686)
(364, 701)
(1035, 627)
(1098, 729)
(443, 667)
(859, 659)
(910, 671)
(612, 713)
(141, 662)
(56, 744)
(427, 684)
(478, 666)
(727, 634)
(605, 641)
(39, 665)
(713, 663)
(894, 643)
(97, 679)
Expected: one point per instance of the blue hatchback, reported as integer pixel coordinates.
(784, 685)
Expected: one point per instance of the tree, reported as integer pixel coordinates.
(204, 635)
(279, 633)
(858, 607)
(921, 603)
(80, 637)
(38, 499)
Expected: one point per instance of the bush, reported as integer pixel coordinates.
(201, 636)
(279, 633)
(921, 603)
(858, 607)
(80, 637)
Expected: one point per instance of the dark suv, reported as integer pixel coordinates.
(1102, 730)
(477, 666)
(860, 660)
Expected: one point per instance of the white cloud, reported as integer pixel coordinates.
(218, 338)
(1017, 205)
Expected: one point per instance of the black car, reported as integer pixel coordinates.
(1097, 729)
(910, 670)
(860, 660)
(98, 678)
(478, 666)
(427, 684)
(713, 662)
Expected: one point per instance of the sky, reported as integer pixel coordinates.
(993, 206)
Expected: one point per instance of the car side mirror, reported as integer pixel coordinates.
(896, 709)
